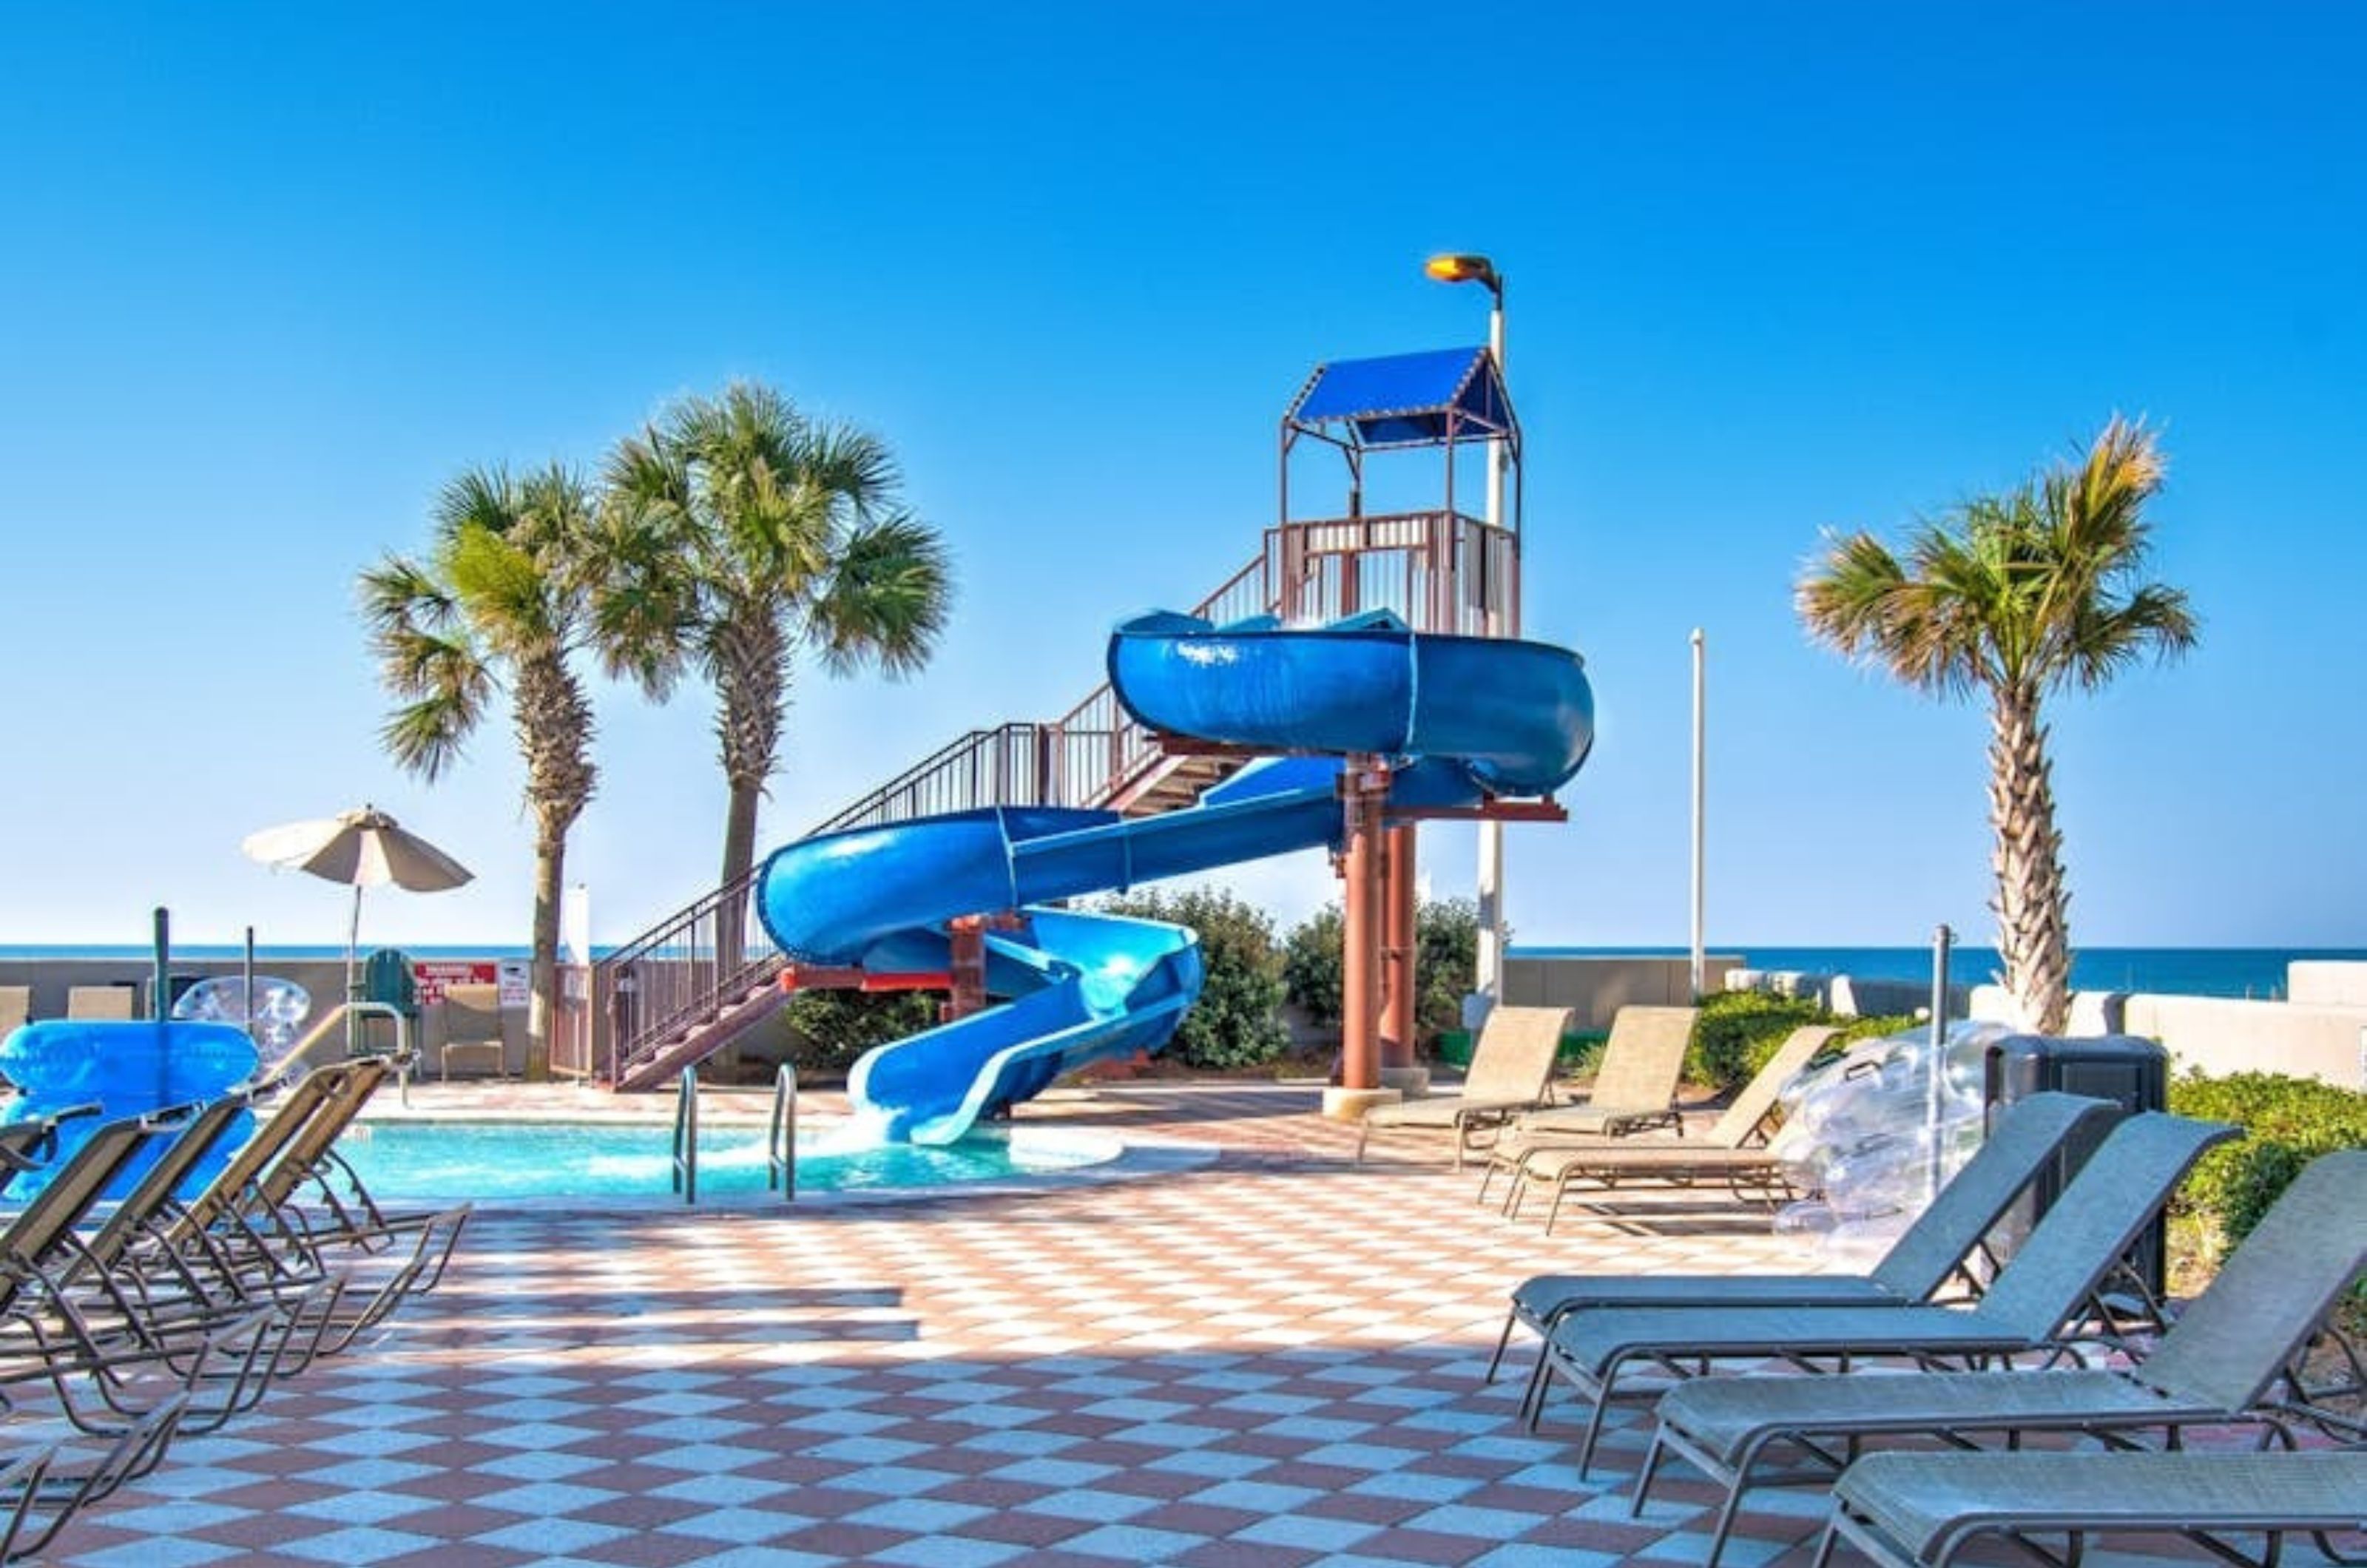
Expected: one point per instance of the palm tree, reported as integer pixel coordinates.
(2017, 595)
(738, 532)
(501, 600)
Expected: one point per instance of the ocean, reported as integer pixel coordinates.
(2256, 972)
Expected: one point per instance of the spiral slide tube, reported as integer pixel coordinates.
(1462, 718)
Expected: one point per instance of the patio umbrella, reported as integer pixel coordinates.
(364, 847)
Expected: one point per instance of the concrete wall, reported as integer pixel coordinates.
(1594, 989)
(49, 980)
(2326, 982)
(2224, 1034)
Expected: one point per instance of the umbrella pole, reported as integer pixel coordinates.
(353, 945)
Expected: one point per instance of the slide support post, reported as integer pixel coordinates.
(1401, 1021)
(1364, 787)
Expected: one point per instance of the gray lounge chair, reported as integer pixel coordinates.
(1544, 1145)
(2043, 1293)
(2215, 1366)
(1512, 1070)
(1931, 1251)
(1918, 1510)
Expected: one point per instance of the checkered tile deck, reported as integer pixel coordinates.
(1272, 1359)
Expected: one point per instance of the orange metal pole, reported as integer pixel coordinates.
(1360, 958)
(1400, 999)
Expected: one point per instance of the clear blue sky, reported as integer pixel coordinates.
(273, 274)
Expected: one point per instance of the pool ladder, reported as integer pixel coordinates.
(686, 1138)
(780, 1137)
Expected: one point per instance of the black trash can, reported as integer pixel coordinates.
(2131, 1073)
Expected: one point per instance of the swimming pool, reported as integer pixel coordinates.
(490, 1161)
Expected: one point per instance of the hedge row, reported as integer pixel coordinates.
(1738, 1031)
(2287, 1123)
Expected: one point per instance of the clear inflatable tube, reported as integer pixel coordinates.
(1869, 1135)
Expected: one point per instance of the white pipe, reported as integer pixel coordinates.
(1701, 959)
(1489, 969)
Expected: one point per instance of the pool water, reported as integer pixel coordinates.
(490, 1160)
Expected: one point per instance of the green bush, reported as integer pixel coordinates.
(1739, 1032)
(828, 1030)
(1310, 967)
(1446, 961)
(2287, 1123)
(1237, 1022)
(1736, 1033)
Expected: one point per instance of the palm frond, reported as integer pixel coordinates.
(889, 595)
(478, 497)
(398, 594)
(427, 735)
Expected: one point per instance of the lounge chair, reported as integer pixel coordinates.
(2215, 1365)
(1512, 1070)
(29, 1144)
(325, 1091)
(1918, 1510)
(472, 1023)
(97, 1263)
(41, 1232)
(2047, 1289)
(1544, 1144)
(249, 1240)
(1931, 1251)
(1635, 1086)
(40, 1491)
(16, 1008)
(106, 1003)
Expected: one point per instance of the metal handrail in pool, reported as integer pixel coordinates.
(686, 1138)
(781, 1135)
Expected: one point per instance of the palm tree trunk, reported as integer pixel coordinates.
(542, 1002)
(751, 674)
(738, 858)
(2032, 905)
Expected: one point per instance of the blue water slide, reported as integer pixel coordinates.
(1458, 718)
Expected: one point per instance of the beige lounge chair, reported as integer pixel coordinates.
(1538, 1150)
(102, 1002)
(472, 1022)
(16, 1008)
(1511, 1070)
(1635, 1086)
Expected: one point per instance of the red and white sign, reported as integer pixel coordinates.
(433, 974)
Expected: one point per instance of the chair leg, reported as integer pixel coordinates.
(1503, 1343)
(1650, 1473)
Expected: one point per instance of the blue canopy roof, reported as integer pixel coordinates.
(1407, 400)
